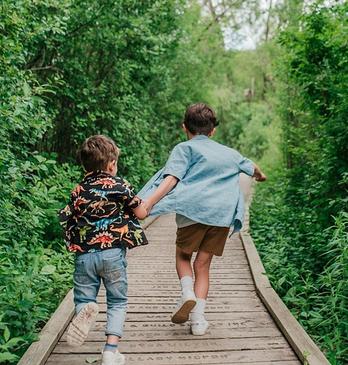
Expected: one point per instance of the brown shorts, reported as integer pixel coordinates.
(201, 237)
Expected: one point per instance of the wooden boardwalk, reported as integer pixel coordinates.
(248, 322)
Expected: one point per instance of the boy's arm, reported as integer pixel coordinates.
(67, 221)
(164, 188)
(140, 210)
(258, 174)
(133, 201)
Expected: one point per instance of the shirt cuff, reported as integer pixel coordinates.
(136, 201)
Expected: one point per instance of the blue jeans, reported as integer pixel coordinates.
(111, 267)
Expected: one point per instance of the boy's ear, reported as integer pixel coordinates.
(183, 126)
(212, 132)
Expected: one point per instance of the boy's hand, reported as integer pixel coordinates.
(147, 206)
(258, 174)
(261, 177)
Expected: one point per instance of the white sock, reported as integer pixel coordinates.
(197, 313)
(186, 283)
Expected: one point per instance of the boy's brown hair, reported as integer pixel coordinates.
(200, 119)
(96, 152)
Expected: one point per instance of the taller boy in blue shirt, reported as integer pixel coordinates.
(200, 182)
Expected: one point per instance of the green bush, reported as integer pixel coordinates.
(306, 264)
(299, 218)
(314, 107)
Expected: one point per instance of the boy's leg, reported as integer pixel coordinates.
(201, 267)
(183, 263)
(86, 287)
(187, 300)
(115, 281)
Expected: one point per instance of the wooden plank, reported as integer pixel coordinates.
(134, 268)
(170, 301)
(169, 258)
(184, 334)
(169, 275)
(252, 321)
(175, 293)
(161, 317)
(190, 358)
(153, 347)
(255, 263)
(248, 306)
(165, 280)
(134, 289)
(39, 351)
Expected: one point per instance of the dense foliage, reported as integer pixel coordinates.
(300, 218)
(128, 69)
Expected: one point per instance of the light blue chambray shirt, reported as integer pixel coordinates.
(208, 191)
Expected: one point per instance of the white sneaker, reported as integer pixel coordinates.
(184, 307)
(199, 328)
(81, 324)
(110, 358)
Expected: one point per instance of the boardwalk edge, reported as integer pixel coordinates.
(39, 351)
(307, 351)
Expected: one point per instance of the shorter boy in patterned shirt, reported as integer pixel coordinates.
(100, 223)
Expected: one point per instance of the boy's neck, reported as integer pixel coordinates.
(190, 135)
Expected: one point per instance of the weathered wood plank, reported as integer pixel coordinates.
(172, 281)
(167, 287)
(190, 358)
(152, 347)
(239, 322)
(168, 300)
(249, 306)
(175, 293)
(177, 334)
(160, 317)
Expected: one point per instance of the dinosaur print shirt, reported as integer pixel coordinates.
(99, 215)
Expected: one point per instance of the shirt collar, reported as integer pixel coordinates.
(200, 136)
(99, 173)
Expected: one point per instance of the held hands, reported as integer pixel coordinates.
(164, 188)
(147, 205)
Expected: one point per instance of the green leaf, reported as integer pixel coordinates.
(14, 342)
(26, 89)
(6, 356)
(40, 158)
(48, 270)
(7, 334)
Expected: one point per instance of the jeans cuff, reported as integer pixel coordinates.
(113, 334)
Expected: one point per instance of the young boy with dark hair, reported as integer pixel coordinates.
(200, 182)
(100, 223)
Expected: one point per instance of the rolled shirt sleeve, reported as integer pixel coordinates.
(178, 162)
(245, 165)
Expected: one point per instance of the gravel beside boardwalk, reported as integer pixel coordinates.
(241, 330)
